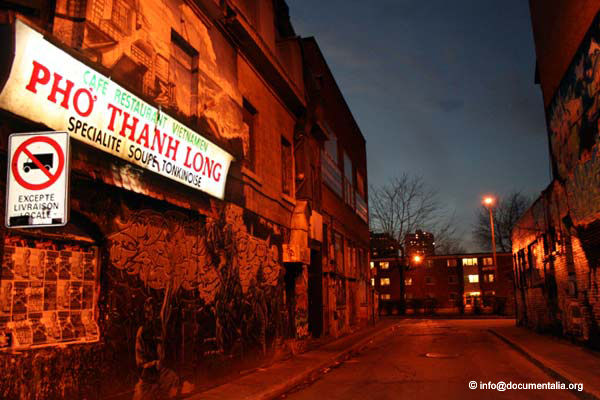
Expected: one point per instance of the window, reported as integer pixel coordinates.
(473, 278)
(451, 262)
(372, 265)
(408, 296)
(452, 279)
(429, 264)
(339, 252)
(386, 296)
(407, 281)
(452, 296)
(183, 64)
(287, 180)
(384, 265)
(488, 278)
(488, 261)
(469, 261)
(120, 15)
(348, 181)
(429, 280)
(331, 148)
(360, 184)
(330, 170)
(249, 115)
(384, 281)
(372, 281)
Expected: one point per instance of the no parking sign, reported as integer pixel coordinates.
(38, 177)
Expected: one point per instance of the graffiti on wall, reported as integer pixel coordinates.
(573, 117)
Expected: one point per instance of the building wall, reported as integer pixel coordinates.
(440, 284)
(556, 242)
(214, 270)
(558, 28)
(345, 246)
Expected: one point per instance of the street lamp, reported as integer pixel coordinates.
(488, 202)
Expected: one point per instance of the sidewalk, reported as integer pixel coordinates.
(561, 359)
(270, 382)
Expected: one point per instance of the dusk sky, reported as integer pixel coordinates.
(440, 89)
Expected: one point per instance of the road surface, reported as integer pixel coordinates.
(431, 359)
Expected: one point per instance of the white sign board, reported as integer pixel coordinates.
(37, 179)
(49, 86)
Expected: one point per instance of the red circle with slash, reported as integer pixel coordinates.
(51, 177)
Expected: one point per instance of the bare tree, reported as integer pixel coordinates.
(406, 204)
(506, 213)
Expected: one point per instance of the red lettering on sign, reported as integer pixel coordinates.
(36, 78)
(66, 92)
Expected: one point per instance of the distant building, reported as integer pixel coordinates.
(386, 267)
(447, 284)
(556, 243)
(419, 243)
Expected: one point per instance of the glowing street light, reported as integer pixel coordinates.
(488, 202)
(417, 258)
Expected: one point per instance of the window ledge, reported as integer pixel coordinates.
(288, 199)
(246, 172)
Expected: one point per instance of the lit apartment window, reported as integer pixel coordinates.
(488, 278)
(386, 296)
(469, 261)
(372, 265)
(473, 278)
(408, 282)
(384, 281)
(451, 262)
(429, 280)
(452, 279)
(372, 281)
(488, 261)
(384, 265)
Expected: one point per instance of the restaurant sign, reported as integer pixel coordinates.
(49, 86)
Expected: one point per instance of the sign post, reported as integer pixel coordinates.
(38, 180)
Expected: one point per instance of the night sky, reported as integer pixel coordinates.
(441, 89)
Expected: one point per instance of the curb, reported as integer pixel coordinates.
(553, 371)
(275, 391)
(290, 384)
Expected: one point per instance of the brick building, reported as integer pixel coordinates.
(556, 243)
(387, 272)
(447, 284)
(204, 220)
(462, 283)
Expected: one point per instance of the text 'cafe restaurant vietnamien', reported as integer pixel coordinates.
(146, 199)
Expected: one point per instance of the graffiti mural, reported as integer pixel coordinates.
(178, 293)
(232, 273)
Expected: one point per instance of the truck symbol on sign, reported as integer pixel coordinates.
(46, 159)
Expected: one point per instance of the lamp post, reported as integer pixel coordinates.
(488, 202)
